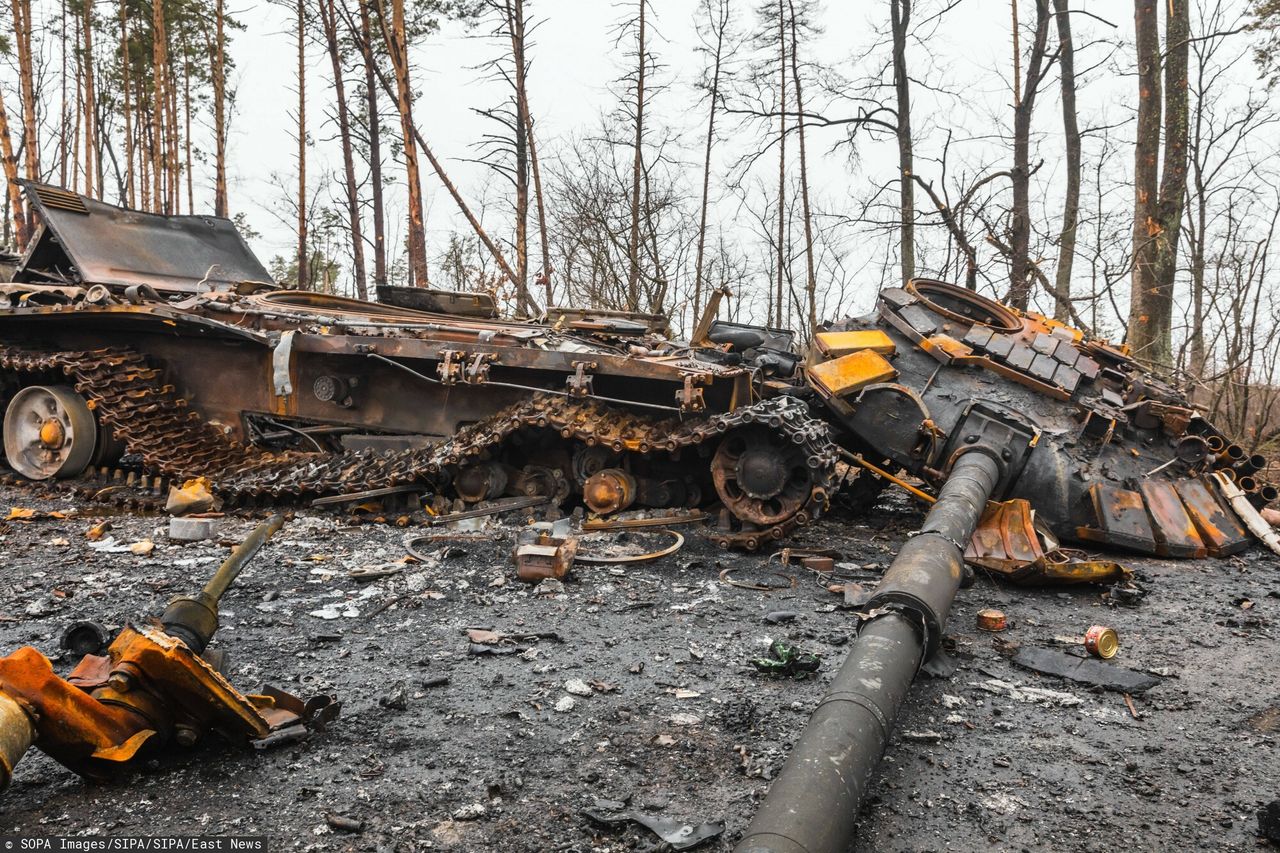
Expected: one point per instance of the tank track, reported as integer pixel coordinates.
(157, 424)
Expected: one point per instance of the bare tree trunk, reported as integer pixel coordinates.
(186, 112)
(515, 28)
(130, 190)
(375, 147)
(78, 111)
(158, 104)
(90, 112)
(718, 24)
(900, 24)
(62, 115)
(175, 146)
(329, 18)
(1071, 135)
(811, 283)
(218, 78)
(303, 278)
(398, 48)
(543, 242)
(782, 160)
(1020, 271)
(10, 162)
(1158, 206)
(637, 167)
(27, 92)
(1173, 178)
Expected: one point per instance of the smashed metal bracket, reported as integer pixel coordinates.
(478, 369)
(450, 366)
(579, 382)
(690, 396)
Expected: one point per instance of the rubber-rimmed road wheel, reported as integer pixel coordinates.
(49, 432)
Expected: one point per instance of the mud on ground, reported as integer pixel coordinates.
(676, 721)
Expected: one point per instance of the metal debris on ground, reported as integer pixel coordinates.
(786, 660)
(605, 559)
(789, 581)
(193, 496)
(1084, 670)
(544, 550)
(677, 833)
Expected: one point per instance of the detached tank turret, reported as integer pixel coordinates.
(1116, 456)
(994, 409)
(162, 338)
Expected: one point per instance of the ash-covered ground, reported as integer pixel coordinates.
(438, 747)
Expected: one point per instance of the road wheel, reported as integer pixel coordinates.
(49, 432)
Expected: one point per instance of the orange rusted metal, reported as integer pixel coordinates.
(1007, 541)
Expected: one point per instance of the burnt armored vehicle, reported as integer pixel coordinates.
(162, 337)
(1098, 448)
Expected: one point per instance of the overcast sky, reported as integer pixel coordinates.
(574, 62)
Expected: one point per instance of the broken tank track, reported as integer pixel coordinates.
(156, 423)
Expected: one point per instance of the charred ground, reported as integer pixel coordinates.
(484, 761)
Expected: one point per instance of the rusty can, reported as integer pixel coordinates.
(992, 620)
(1102, 642)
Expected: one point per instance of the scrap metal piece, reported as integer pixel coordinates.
(1008, 541)
(544, 551)
(492, 509)
(605, 560)
(1257, 525)
(1089, 671)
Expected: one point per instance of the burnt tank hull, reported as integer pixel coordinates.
(168, 330)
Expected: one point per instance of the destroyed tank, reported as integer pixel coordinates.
(1093, 448)
(161, 340)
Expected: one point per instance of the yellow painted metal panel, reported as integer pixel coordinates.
(850, 373)
(836, 344)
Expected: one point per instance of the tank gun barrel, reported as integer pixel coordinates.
(813, 805)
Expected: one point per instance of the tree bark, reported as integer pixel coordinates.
(131, 198)
(27, 93)
(9, 159)
(782, 163)
(303, 277)
(1158, 199)
(637, 167)
(543, 242)
(158, 104)
(91, 188)
(515, 28)
(1173, 178)
(375, 147)
(398, 48)
(1071, 137)
(219, 80)
(1020, 226)
(719, 22)
(329, 19)
(900, 24)
(811, 283)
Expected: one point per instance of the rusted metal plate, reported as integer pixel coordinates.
(1218, 528)
(1176, 534)
(1119, 518)
(115, 246)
